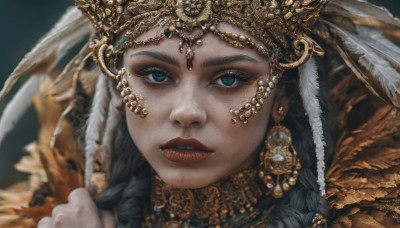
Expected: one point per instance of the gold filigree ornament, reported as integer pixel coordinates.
(218, 204)
(264, 89)
(277, 30)
(280, 26)
(279, 164)
(131, 100)
(319, 221)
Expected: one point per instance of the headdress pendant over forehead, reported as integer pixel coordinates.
(280, 26)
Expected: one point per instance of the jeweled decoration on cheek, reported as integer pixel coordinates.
(264, 89)
(132, 100)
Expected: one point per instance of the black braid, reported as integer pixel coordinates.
(299, 207)
(129, 179)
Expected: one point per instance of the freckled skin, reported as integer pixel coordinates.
(193, 105)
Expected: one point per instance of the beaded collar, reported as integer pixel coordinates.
(232, 202)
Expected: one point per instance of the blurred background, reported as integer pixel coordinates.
(23, 23)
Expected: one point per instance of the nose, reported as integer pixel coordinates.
(189, 110)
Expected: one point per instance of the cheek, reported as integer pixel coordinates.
(139, 129)
(241, 141)
(257, 124)
(147, 132)
(133, 126)
(251, 135)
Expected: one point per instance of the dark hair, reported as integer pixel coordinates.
(129, 176)
(299, 207)
(129, 181)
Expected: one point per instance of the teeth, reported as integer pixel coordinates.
(186, 147)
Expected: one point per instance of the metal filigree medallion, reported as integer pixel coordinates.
(194, 12)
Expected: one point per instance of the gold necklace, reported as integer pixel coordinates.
(220, 204)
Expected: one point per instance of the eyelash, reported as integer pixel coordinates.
(147, 72)
(238, 76)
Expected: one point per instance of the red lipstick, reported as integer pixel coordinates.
(187, 151)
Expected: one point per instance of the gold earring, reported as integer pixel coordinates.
(132, 101)
(279, 164)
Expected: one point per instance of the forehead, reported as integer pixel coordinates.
(211, 45)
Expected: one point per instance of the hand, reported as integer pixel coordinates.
(80, 211)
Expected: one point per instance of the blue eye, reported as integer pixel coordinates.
(231, 79)
(227, 81)
(157, 77)
(154, 75)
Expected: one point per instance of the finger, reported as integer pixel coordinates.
(45, 222)
(62, 219)
(60, 209)
(107, 219)
(80, 196)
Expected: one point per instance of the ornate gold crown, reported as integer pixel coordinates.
(280, 25)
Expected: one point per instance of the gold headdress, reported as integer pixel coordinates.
(280, 26)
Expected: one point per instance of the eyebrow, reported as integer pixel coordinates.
(159, 56)
(228, 59)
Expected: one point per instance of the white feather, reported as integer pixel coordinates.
(113, 119)
(309, 90)
(381, 70)
(382, 46)
(72, 27)
(96, 124)
(60, 126)
(366, 10)
(18, 105)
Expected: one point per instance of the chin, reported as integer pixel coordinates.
(186, 182)
(187, 185)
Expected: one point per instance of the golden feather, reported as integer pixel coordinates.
(364, 177)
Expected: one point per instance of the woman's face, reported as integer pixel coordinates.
(188, 137)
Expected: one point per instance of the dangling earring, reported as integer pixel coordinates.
(279, 164)
(132, 101)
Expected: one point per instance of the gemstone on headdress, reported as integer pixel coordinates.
(167, 32)
(121, 42)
